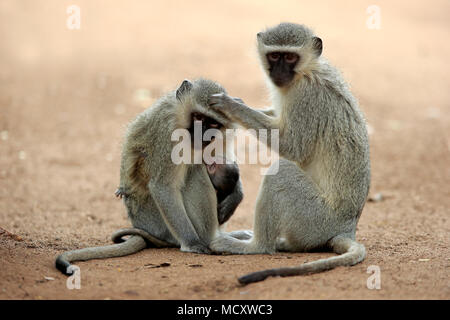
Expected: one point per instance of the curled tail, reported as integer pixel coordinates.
(350, 253)
(139, 240)
(131, 245)
(151, 240)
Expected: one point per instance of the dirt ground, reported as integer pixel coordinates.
(67, 95)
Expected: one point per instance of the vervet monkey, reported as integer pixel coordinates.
(224, 176)
(316, 198)
(226, 180)
(168, 204)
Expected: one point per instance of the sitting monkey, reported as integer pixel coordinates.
(224, 176)
(169, 205)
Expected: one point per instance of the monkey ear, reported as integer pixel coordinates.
(259, 36)
(184, 88)
(317, 46)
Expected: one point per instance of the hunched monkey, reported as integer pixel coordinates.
(224, 176)
(168, 204)
(316, 198)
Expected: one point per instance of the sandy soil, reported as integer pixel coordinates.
(67, 95)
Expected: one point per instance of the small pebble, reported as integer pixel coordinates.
(4, 135)
(22, 155)
(378, 197)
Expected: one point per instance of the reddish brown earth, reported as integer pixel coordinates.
(66, 97)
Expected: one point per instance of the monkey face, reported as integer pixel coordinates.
(282, 67)
(206, 123)
(288, 50)
(224, 177)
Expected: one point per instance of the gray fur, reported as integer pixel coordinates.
(168, 204)
(316, 198)
(286, 34)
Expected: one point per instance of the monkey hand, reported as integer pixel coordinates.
(119, 193)
(223, 212)
(223, 102)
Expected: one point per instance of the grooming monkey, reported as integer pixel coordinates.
(316, 198)
(169, 205)
(224, 176)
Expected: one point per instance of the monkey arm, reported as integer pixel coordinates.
(248, 117)
(170, 203)
(238, 111)
(228, 205)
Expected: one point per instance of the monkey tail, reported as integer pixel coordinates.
(151, 240)
(350, 253)
(134, 244)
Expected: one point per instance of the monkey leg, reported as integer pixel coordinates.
(265, 230)
(290, 216)
(306, 223)
(133, 244)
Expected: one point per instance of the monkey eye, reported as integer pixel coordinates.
(273, 56)
(291, 57)
(197, 117)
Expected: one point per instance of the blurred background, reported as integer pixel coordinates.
(67, 94)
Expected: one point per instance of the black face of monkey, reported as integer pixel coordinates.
(206, 123)
(224, 178)
(281, 67)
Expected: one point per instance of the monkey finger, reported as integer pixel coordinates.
(216, 100)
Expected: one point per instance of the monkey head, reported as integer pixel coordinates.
(224, 177)
(287, 52)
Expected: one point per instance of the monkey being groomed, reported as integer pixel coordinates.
(168, 204)
(316, 198)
